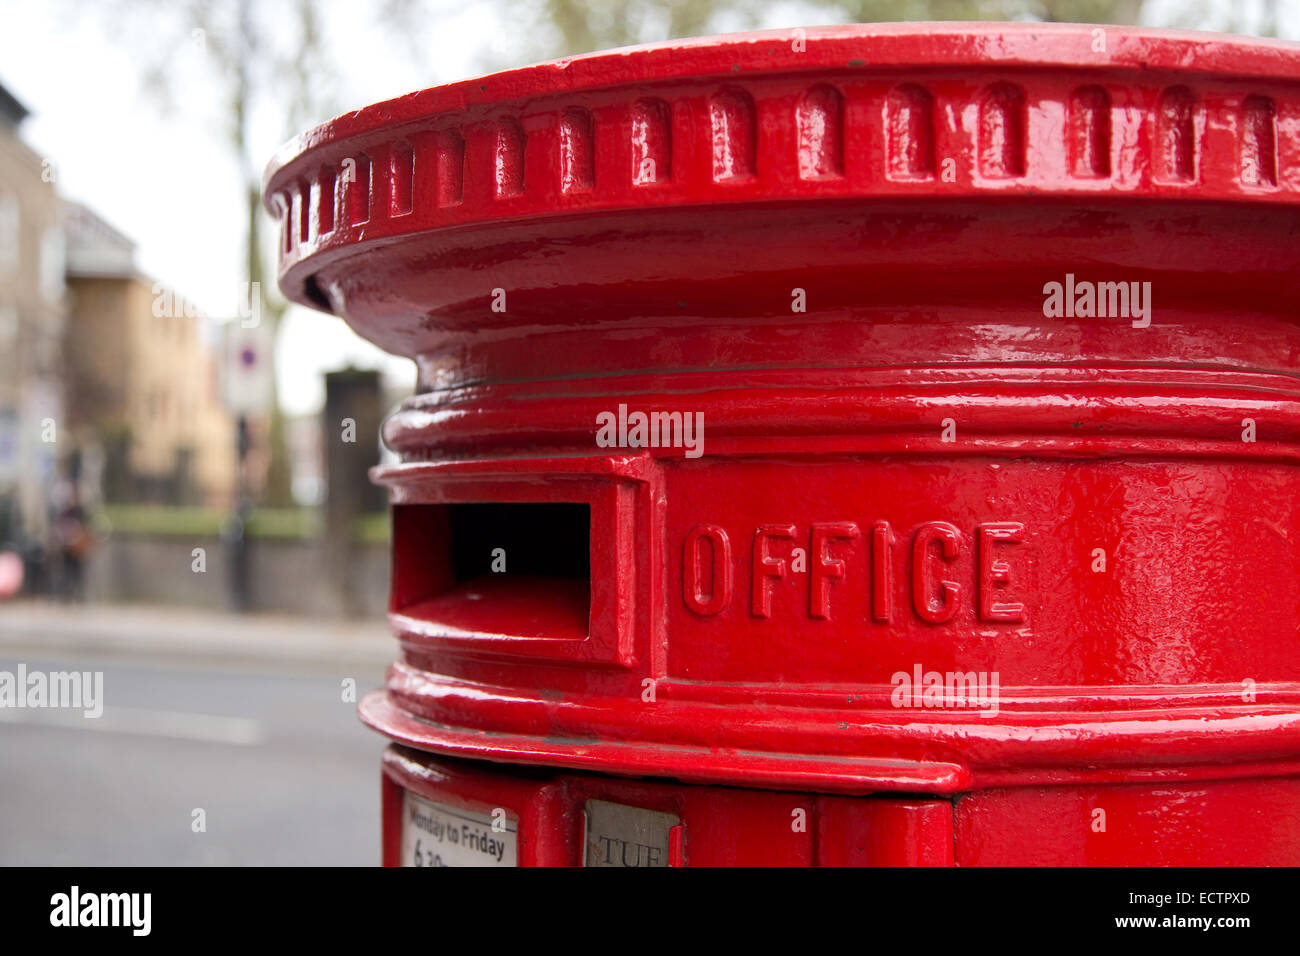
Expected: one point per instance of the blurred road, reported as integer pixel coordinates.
(273, 756)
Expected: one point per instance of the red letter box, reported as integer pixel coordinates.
(879, 445)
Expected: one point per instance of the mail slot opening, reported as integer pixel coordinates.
(520, 569)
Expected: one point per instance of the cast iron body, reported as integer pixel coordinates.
(838, 248)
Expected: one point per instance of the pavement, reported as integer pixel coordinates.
(189, 636)
(224, 740)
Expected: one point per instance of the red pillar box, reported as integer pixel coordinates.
(861, 445)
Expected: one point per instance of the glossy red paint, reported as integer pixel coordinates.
(989, 333)
(719, 826)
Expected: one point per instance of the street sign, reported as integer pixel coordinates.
(248, 369)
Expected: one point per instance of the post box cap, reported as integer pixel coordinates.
(951, 111)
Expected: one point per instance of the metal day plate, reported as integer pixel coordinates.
(434, 834)
(619, 835)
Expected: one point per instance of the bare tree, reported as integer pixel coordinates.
(554, 28)
(566, 27)
(1064, 11)
(253, 56)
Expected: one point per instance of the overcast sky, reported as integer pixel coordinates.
(167, 180)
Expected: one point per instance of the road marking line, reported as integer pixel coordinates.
(173, 724)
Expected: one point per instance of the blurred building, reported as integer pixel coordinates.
(307, 458)
(32, 310)
(142, 389)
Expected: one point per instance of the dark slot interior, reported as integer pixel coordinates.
(443, 557)
(544, 540)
